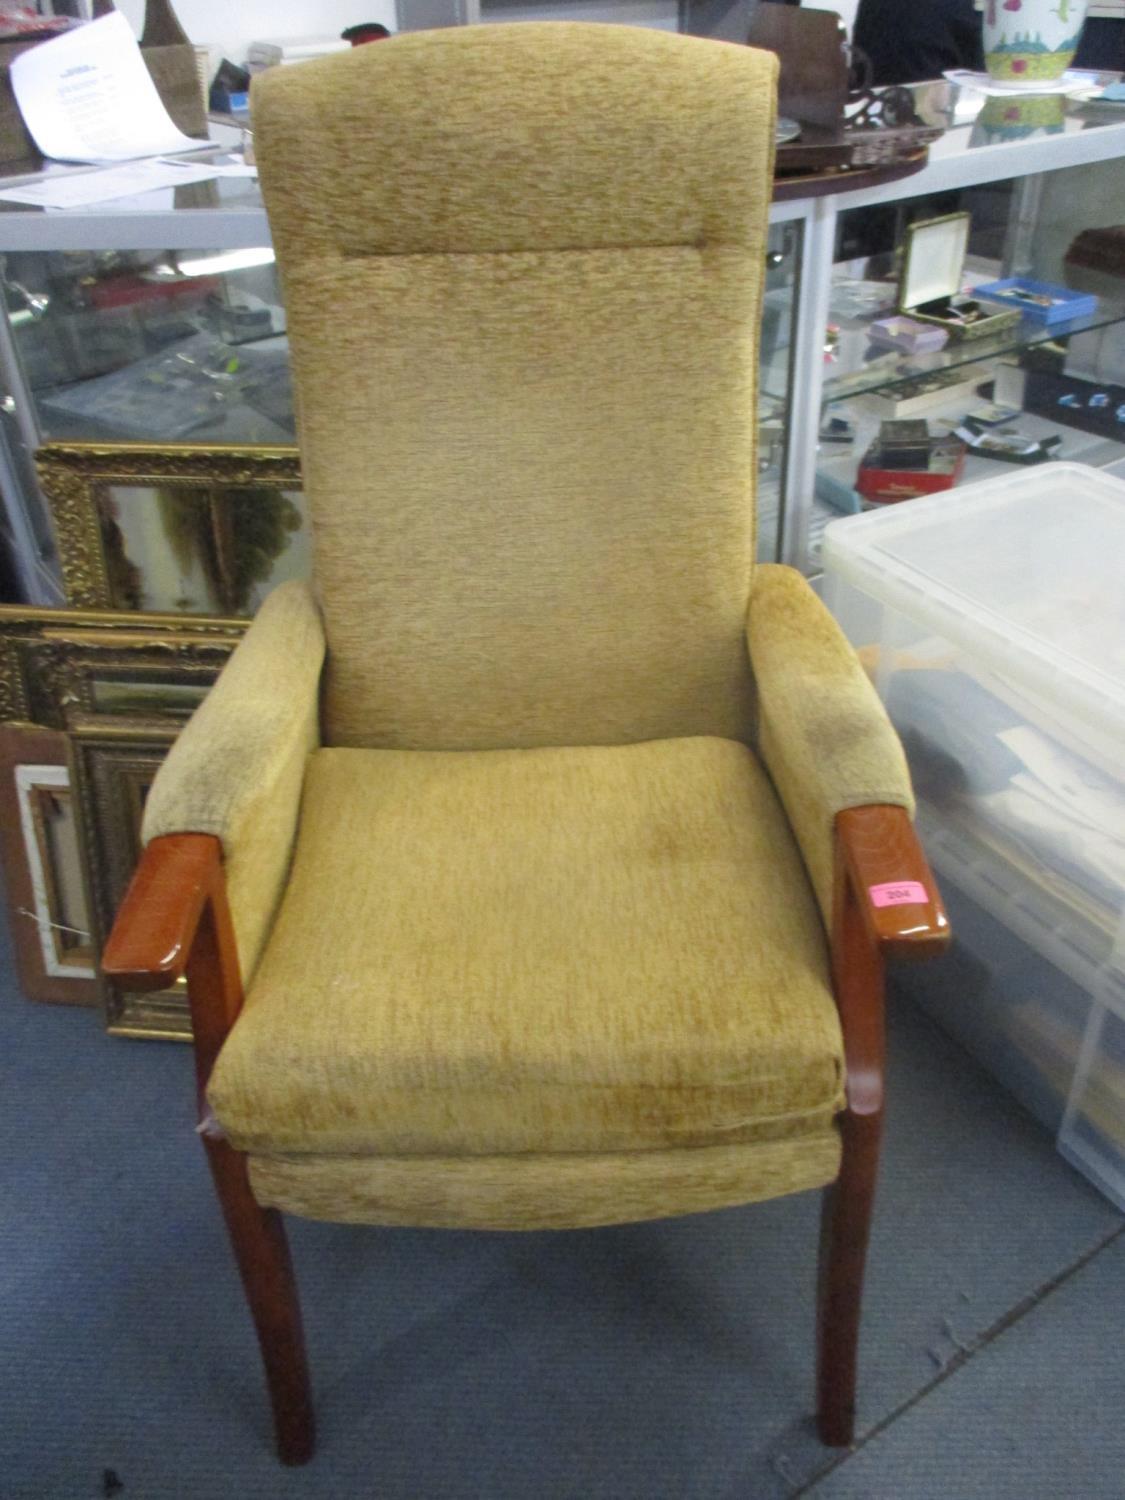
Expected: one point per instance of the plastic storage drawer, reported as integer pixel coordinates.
(1054, 1044)
(993, 623)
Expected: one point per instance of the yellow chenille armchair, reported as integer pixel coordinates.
(554, 903)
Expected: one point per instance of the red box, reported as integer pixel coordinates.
(881, 486)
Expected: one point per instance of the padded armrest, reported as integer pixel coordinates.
(822, 732)
(237, 768)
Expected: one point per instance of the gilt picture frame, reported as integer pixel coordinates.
(64, 856)
(113, 764)
(180, 528)
(54, 661)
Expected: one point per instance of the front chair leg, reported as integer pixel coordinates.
(257, 1234)
(175, 920)
(845, 1224)
(885, 904)
(262, 1252)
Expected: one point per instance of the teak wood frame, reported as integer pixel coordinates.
(175, 920)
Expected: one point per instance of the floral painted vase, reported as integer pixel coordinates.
(1031, 41)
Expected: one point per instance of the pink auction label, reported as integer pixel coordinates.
(898, 893)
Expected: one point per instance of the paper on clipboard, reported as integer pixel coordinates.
(87, 96)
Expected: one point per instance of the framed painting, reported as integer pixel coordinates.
(43, 878)
(54, 661)
(181, 529)
(67, 859)
(113, 763)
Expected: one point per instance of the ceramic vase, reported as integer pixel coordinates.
(1031, 41)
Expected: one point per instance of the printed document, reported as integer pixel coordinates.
(87, 96)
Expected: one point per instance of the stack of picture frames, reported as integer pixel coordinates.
(165, 554)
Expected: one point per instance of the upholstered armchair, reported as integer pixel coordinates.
(537, 867)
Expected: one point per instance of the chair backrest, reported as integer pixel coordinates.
(523, 267)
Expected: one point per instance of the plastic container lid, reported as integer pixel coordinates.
(1025, 571)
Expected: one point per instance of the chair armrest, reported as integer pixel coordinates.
(237, 768)
(822, 732)
(895, 895)
(157, 921)
(175, 920)
(886, 905)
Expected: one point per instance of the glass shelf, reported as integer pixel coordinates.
(858, 367)
(852, 374)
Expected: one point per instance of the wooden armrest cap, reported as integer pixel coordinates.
(894, 887)
(152, 933)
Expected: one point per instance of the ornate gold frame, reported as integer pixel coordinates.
(72, 474)
(126, 675)
(113, 763)
(51, 664)
(48, 656)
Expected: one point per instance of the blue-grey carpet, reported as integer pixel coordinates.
(670, 1361)
(1036, 1413)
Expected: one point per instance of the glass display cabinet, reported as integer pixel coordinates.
(1036, 187)
(779, 305)
(158, 319)
(154, 319)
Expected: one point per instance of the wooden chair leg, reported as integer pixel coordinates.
(885, 904)
(175, 920)
(845, 1225)
(262, 1252)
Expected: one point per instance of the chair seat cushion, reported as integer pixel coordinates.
(579, 949)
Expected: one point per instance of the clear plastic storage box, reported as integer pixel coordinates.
(992, 620)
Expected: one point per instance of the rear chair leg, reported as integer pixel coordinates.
(262, 1251)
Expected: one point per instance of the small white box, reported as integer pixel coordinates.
(262, 55)
(992, 620)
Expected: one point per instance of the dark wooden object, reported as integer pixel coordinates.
(875, 846)
(175, 920)
(812, 83)
(821, 184)
(812, 88)
(18, 151)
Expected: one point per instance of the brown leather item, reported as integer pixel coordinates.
(18, 152)
(813, 84)
(170, 60)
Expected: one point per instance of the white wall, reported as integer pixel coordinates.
(847, 9)
(661, 14)
(227, 26)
